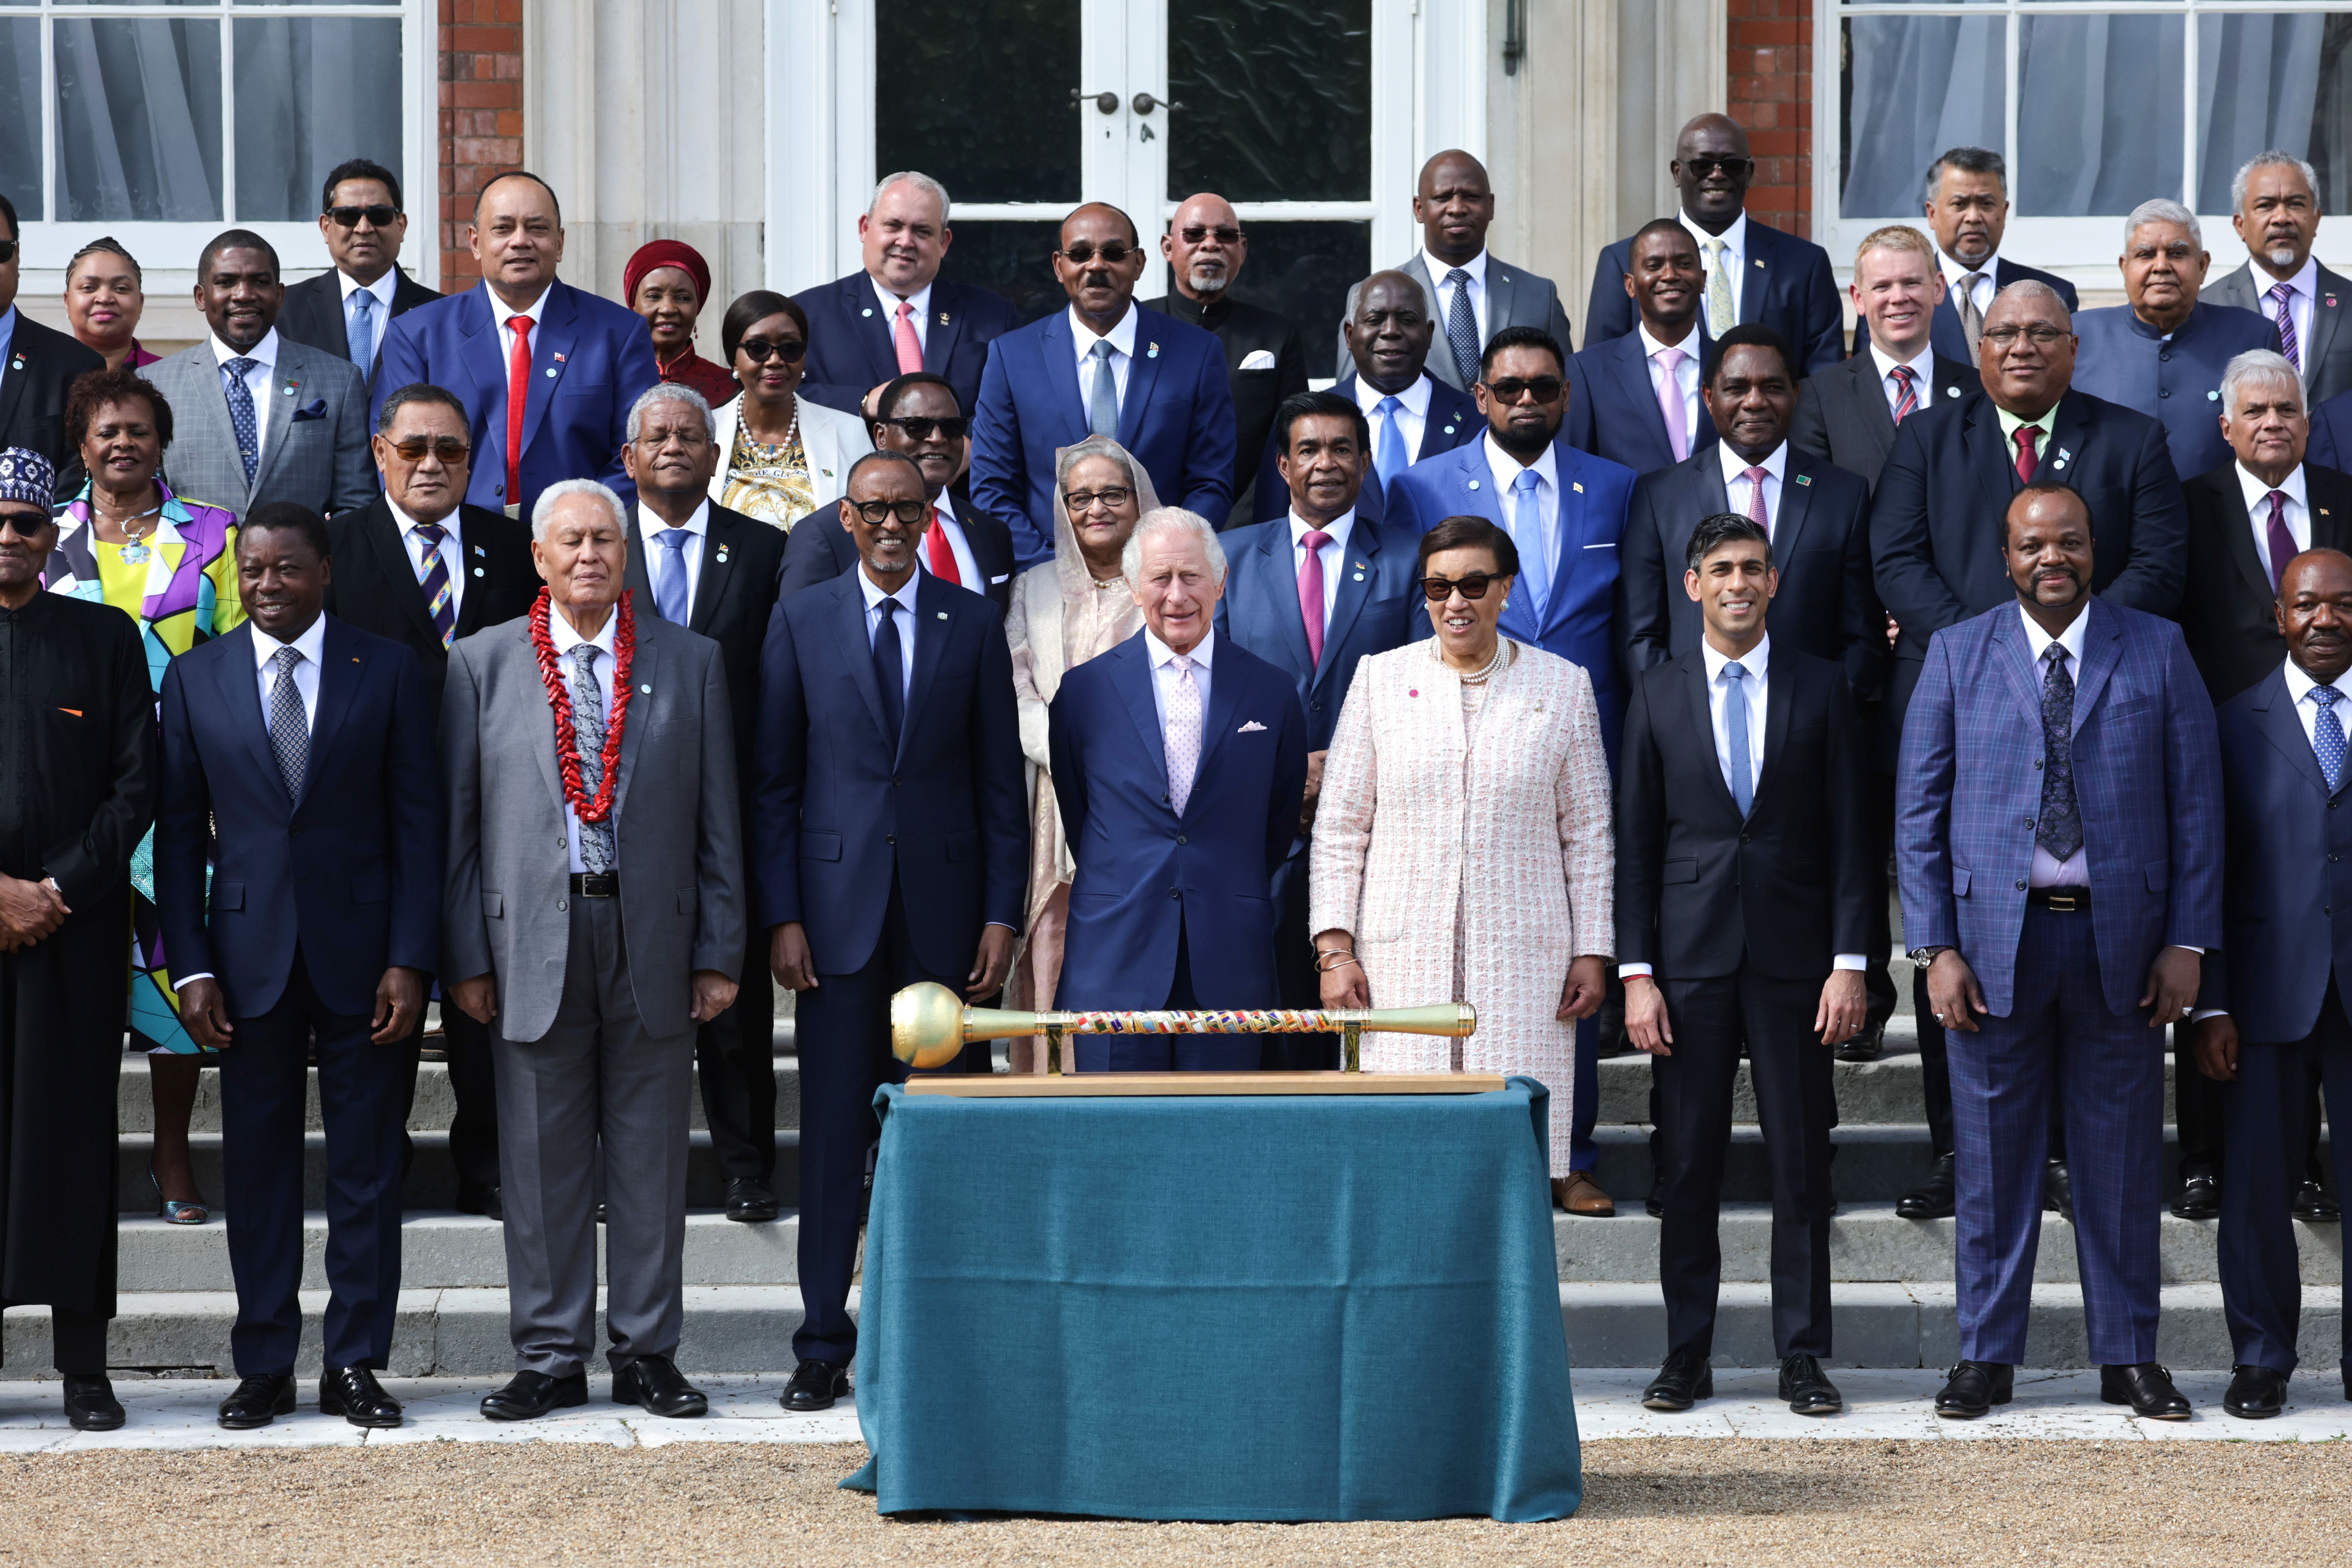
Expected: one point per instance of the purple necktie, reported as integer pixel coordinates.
(2284, 294)
(1670, 402)
(2282, 539)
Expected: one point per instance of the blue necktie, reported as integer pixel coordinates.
(669, 595)
(2328, 736)
(1462, 327)
(1527, 533)
(1102, 401)
(1735, 725)
(1388, 457)
(240, 414)
(361, 335)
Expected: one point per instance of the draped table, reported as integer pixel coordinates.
(1314, 1307)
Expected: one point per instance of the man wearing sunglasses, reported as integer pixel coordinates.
(346, 311)
(1205, 249)
(1105, 366)
(1754, 273)
(38, 365)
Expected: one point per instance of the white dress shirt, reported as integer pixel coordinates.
(257, 381)
(904, 616)
(1476, 268)
(2075, 871)
(2299, 304)
(2258, 513)
(382, 290)
(1737, 484)
(1334, 554)
(1686, 373)
(1734, 264)
(920, 321)
(1412, 414)
(1163, 676)
(1121, 338)
(657, 556)
(2299, 688)
(1923, 376)
(499, 313)
(958, 545)
(453, 551)
(560, 632)
(1534, 537)
(1982, 291)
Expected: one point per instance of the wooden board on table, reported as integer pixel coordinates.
(1096, 1085)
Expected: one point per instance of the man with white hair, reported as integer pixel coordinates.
(896, 313)
(2275, 206)
(594, 917)
(1180, 762)
(2164, 353)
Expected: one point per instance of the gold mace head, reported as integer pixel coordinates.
(926, 1026)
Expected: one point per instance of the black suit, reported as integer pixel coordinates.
(375, 589)
(1944, 334)
(819, 550)
(313, 314)
(1245, 329)
(734, 594)
(1741, 919)
(850, 350)
(1843, 418)
(34, 380)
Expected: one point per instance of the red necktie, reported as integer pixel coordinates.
(518, 393)
(941, 554)
(1906, 398)
(910, 351)
(2026, 461)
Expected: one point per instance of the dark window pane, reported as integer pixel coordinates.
(2272, 81)
(20, 115)
(1304, 271)
(2098, 113)
(1277, 98)
(139, 121)
(1915, 86)
(976, 94)
(310, 94)
(1015, 258)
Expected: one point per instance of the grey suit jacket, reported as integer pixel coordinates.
(678, 835)
(1515, 297)
(314, 432)
(2327, 357)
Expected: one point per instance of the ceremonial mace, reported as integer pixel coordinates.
(929, 1025)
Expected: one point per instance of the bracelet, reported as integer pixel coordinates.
(1345, 957)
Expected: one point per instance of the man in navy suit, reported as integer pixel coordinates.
(307, 745)
(1636, 400)
(2271, 1016)
(895, 314)
(548, 373)
(894, 847)
(2059, 830)
(1967, 208)
(1753, 273)
(2331, 433)
(1412, 415)
(1312, 595)
(1179, 760)
(1106, 366)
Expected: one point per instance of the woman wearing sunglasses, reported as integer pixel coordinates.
(667, 282)
(781, 456)
(1463, 850)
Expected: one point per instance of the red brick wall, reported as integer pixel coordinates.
(1771, 71)
(481, 116)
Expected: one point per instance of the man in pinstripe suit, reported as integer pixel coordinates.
(2061, 899)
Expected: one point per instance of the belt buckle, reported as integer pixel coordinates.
(2065, 903)
(598, 885)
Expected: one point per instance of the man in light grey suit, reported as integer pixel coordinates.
(1475, 295)
(261, 417)
(2275, 202)
(597, 928)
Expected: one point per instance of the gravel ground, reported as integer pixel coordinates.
(1681, 1502)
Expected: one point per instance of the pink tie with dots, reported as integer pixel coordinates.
(1183, 737)
(910, 351)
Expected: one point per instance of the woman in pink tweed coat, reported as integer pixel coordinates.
(1463, 847)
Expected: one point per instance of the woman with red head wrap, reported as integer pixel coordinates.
(667, 282)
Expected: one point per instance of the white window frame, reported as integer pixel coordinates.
(167, 251)
(2083, 251)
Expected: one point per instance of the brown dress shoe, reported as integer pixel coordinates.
(1578, 1194)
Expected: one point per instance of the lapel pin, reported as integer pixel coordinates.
(1449, 429)
(2331, 301)
(286, 391)
(559, 358)
(550, 373)
(943, 318)
(479, 573)
(16, 361)
(1951, 392)
(1804, 479)
(1360, 576)
(1474, 484)
(1759, 263)
(2213, 397)
(645, 691)
(2323, 512)
(867, 311)
(479, 551)
(827, 472)
(1154, 353)
(1412, 692)
(943, 615)
(722, 555)
(1576, 484)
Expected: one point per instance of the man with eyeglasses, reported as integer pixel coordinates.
(346, 311)
(1205, 249)
(1754, 272)
(37, 365)
(893, 847)
(1967, 208)
(1105, 366)
(419, 566)
(917, 414)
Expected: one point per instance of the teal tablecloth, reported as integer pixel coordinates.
(1292, 1308)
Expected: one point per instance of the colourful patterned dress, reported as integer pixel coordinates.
(181, 591)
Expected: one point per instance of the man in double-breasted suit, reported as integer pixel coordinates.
(2058, 829)
(594, 917)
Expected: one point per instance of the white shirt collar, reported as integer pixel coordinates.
(1923, 369)
(1475, 267)
(2257, 493)
(501, 314)
(2305, 283)
(382, 288)
(648, 524)
(2038, 641)
(1122, 336)
(1735, 236)
(560, 632)
(266, 351)
(1337, 528)
(1734, 467)
(2299, 685)
(1204, 652)
(1652, 346)
(1755, 661)
(310, 645)
(408, 525)
(945, 505)
(1415, 397)
(875, 596)
(1954, 270)
(1506, 468)
(920, 299)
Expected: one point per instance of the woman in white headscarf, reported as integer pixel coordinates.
(1065, 612)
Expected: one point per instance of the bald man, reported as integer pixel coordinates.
(1753, 273)
(1205, 249)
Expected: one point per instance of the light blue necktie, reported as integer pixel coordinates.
(2328, 736)
(1527, 533)
(669, 595)
(1102, 403)
(1388, 457)
(362, 332)
(1735, 724)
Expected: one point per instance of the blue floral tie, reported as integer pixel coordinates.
(2059, 828)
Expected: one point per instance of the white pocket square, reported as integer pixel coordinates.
(1245, 728)
(1258, 359)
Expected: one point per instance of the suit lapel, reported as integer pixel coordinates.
(1133, 678)
(2016, 661)
(1796, 507)
(2102, 651)
(485, 363)
(1694, 665)
(718, 574)
(645, 679)
(1758, 276)
(940, 337)
(1225, 702)
(217, 433)
(551, 351)
(869, 329)
(1282, 573)
(2326, 318)
(1780, 698)
(635, 576)
(2238, 534)
(1570, 520)
(1995, 474)
(932, 628)
(2070, 433)
(1142, 376)
(1632, 373)
(2283, 727)
(1502, 294)
(2331, 512)
(341, 667)
(23, 362)
(857, 652)
(1061, 368)
(475, 557)
(285, 392)
(381, 534)
(240, 691)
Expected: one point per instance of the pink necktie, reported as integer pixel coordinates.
(910, 351)
(2282, 539)
(1310, 590)
(1670, 402)
(1756, 477)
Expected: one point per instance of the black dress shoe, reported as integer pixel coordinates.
(354, 1394)
(2312, 1205)
(2200, 1198)
(1864, 1046)
(1973, 1387)
(90, 1405)
(749, 1201)
(533, 1394)
(483, 1201)
(2256, 1392)
(655, 1383)
(2058, 1191)
(815, 1384)
(259, 1401)
(1807, 1389)
(2147, 1388)
(1655, 1205)
(1935, 1200)
(1683, 1381)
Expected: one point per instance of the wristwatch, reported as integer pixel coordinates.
(1924, 956)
